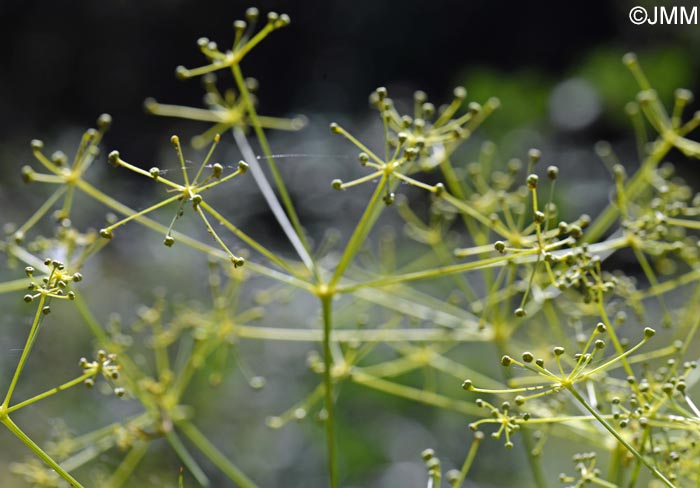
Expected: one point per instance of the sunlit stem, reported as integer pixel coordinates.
(361, 230)
(41, 211)
(416, 183)
(51, 179)
(213, 233)
(691, 125)
(128, 465)
(360, 146)
(328, 397)
(214, 455)
(475, 214)
(178, 111)
(468, 461)
(36, 324)
(136, 169)
(247, 239)
(40, 453)
(187, 459)
(47, 163)
(175, 140)
(80, 153)
(52, 391)
(290, 221)
(223, 179)
(620, 438)
(416, 394)
(185, 239)
(361, 180)
(435, 272)
(217, 138)
(634, 185)
(145, 211)
(449, 111)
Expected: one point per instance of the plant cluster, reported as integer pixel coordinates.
(579, 354)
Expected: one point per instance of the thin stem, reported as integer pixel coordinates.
(635, 185)
(468, 461)
(14, 285)
(437, 272)
(327, 306)
(247, 239)
(212, 232)
(145, 211)
(52, 391)
(361, 230)
(38, 319)
(187, 458)
(363, 335)
(185, 239)
(206, 160)
(303, 250)
(128, 465)
(363, 179)
(501, 338)
(361, 146)
(476, 215)
(613, 335)
(215, 456)
(292, 230)
(41, 454)
(143, 172)
(41, 211)
(418, 395)
(619, 438)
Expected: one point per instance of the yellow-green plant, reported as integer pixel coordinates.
(505, 272)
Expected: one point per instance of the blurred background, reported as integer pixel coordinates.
(555, 67)
(556, 70)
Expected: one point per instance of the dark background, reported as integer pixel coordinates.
(64, 63)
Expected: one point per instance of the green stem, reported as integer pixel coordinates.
(215, 456)
(327, 306)
(279, 182)
(468, 462)
(131, 370)
(604, 483)
(637, 466)
(145, 211)
(52, 391)
(41, 211)
(196, 360)
(40, 452)
(438, 271)
(361, 230)
(185, 239)
(361, 335)
(501, 339)
(619, 438)
(14, 285)
(38, 318)
(614, 468)
(417, 395)
(92, 323)
(128, 465)
(247, 239)
(464, 207)
(634, 186)
(187, 458)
